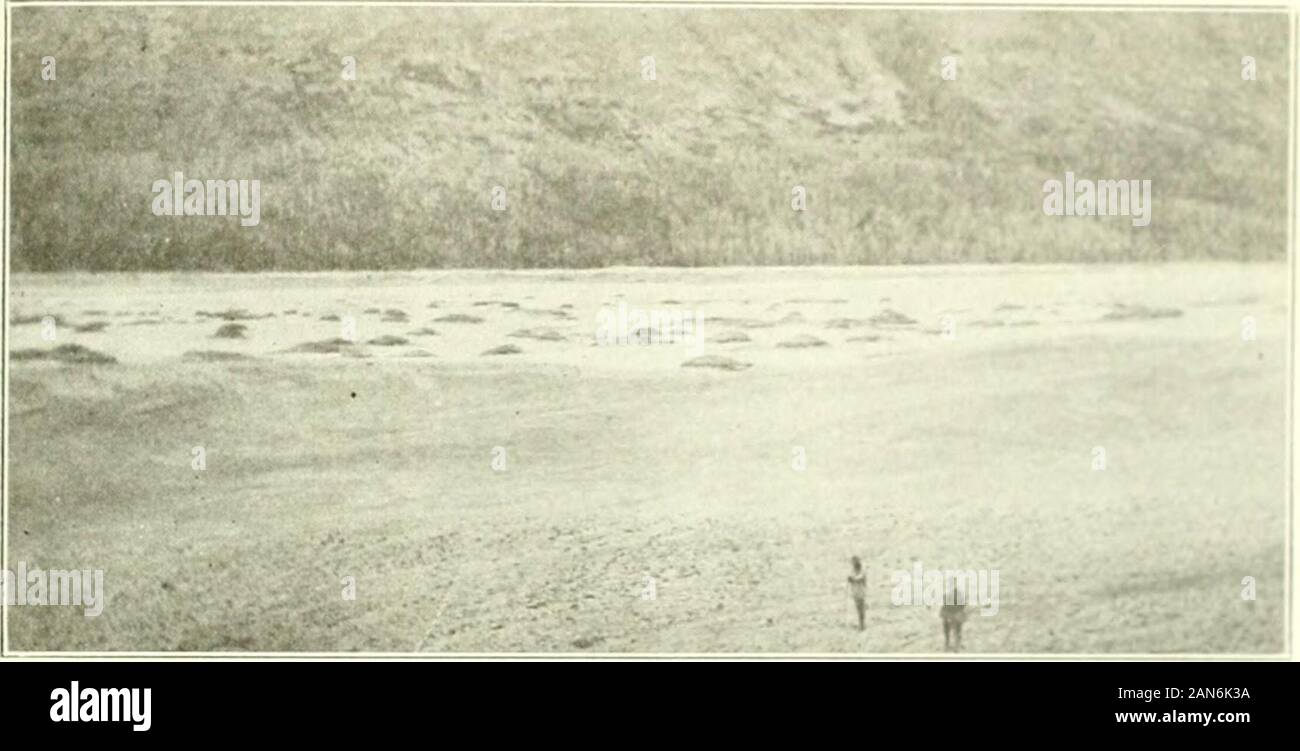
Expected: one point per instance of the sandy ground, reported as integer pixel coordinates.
(973, 450)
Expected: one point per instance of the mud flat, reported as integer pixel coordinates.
(336, 454)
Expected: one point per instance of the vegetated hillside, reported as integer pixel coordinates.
(602, 167)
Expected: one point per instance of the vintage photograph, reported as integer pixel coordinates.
(647, 329)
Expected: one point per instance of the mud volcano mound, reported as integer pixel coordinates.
(801, 341)
(716, 362)
(889, 317)
(325, 346)
(212, 355)
(1140, 313)
(545, 335)
(231, 331)
(730, 337)
(69, 353)
(29, 320)
(233, 314)
(388, 340)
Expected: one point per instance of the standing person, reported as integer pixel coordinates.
(858, 588)
(953, 614)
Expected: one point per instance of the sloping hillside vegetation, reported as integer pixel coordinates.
(600, 166)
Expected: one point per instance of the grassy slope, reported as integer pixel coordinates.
(395, 169)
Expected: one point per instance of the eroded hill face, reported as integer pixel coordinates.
(640, 136)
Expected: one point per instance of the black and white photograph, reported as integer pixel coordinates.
(648, 330)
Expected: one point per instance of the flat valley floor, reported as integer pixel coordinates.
(951, 416)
